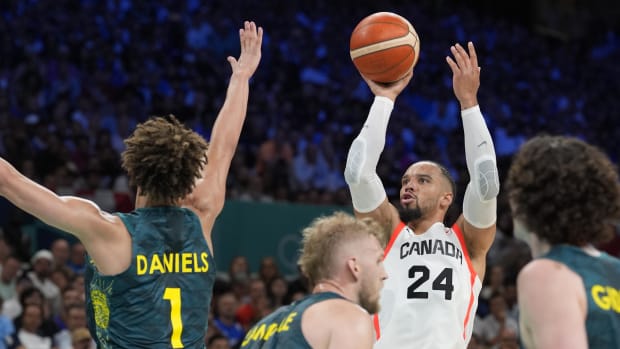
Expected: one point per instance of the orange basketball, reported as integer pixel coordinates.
(384, 47)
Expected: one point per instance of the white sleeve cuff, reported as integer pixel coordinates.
(386, 101)
(470, 111)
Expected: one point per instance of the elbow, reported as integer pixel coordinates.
(356, 159)
(486, 178)
(350, 176)
(6, 172)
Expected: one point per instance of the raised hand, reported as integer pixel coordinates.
(251, 39)
(465, 74)
(390, 90)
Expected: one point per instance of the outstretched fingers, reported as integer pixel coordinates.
(251, 36)
(473, 57)
(453, 65)
(461, 56)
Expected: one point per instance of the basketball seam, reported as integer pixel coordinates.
(368, 49)
(373, 23)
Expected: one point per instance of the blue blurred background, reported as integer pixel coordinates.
(77, 76)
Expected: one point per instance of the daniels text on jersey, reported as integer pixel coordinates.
(431, 246)
(185, 262)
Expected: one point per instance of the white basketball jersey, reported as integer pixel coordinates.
(431, 295)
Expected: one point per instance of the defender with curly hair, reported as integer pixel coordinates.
(150, 274)
(565, 198)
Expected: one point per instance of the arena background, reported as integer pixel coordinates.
(76, 76)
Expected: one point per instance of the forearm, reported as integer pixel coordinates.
(367, 191)
(229, 122)
(479, 207)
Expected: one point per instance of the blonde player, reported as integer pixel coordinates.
(343, 259)
(434, 272)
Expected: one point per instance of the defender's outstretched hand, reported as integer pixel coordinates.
(251, 38)
(390, 90)
(465, 74)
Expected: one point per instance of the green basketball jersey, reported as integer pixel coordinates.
(162, 299)
(601, 278)
(282, 328)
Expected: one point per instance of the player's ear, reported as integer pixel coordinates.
(353, 267)
(445, 200)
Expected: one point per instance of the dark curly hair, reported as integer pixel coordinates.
(164, 158)
(564, 190)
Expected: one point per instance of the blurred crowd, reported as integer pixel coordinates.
(77, 76)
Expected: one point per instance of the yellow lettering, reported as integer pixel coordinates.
(141, 264)
(187, 262)
(259, 333)
(195, 266)
(205, 262)
(248, 337)
(168, 260)
(606, 297)
(284, 324)
(614, 298)
(273, 328)
(156, 265)
(602, 302)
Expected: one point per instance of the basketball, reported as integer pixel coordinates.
(384, 47)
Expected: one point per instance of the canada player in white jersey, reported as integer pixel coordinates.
(435, 272)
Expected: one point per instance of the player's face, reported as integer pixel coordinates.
(421, 188)
(373, 276)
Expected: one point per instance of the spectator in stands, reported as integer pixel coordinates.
(7, 329)
(81, 339)
(42, 264)
(30, 333)
(251, 311)
(75, 318)
(268, 269)
(78, 258)
(496, 327)
(60, 251)
(224, 319)
(218, 342)
(9, 273)
(277, 291)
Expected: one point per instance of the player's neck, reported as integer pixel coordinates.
(330, 286)
(420, 226)
(538, 247)
(160, 203)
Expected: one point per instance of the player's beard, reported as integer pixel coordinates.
(366, 299)
(408, 214)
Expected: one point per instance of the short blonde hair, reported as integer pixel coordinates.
(326, 235)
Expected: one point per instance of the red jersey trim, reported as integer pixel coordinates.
(472, 279)
(395, 233)
(375, 321)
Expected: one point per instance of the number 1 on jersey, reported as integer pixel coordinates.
(173, 294)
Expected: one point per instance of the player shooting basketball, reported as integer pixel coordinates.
(435, 272)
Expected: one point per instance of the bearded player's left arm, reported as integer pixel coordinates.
(480, 200)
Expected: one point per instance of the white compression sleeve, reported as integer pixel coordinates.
(480, 201)
(360, 173)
